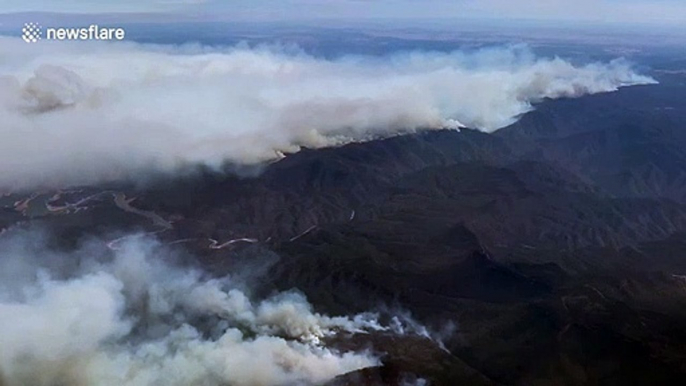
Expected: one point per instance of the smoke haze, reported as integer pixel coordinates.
(87, 112)
(132, 317)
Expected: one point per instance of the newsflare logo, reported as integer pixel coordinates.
(33, 32)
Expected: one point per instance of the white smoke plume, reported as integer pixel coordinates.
(77, 113)
(132, 317)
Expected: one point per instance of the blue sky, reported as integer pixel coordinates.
(620, 11)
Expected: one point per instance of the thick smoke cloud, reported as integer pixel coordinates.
(131, 317)
(86, 112)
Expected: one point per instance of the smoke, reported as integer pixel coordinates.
(134, 317)
(78, 113)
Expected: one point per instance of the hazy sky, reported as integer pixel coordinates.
(624, 11)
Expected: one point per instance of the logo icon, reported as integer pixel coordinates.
(31, 32)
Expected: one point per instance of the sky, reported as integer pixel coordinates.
(656, 12)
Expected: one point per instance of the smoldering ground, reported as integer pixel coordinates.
(86, 112)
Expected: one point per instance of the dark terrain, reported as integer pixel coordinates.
(555, 246)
